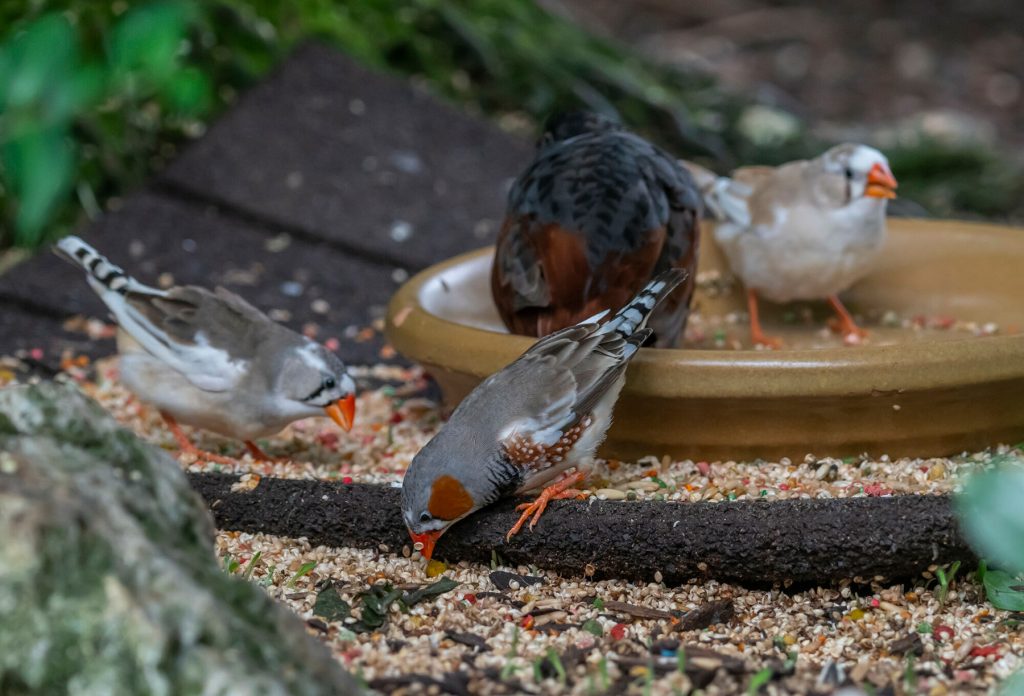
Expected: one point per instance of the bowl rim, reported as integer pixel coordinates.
(880, 370)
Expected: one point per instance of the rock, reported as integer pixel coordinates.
(610, 494)
(108, 578)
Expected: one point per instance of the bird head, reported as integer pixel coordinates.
(570, 124)
(861, 172)
(313, 381)
(432, 498)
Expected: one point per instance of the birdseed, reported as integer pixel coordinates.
(571, 635)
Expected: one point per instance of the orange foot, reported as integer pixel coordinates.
(852, 334)
(561, 489)
(185, 445)
(756, 334)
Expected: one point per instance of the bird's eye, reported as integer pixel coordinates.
(425, 517)
(849, 173)
(329, 383)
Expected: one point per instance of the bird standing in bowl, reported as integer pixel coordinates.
(212, 360)
(523, 426)
(806, 230)
(596, 215)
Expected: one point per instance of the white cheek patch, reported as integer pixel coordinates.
(348, 385)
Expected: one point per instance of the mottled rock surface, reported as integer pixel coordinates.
(108, 580)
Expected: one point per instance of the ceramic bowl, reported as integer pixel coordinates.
(943, 370)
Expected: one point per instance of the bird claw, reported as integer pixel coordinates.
(852, 334)
(557, 491)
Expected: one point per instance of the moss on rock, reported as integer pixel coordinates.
(108, 579)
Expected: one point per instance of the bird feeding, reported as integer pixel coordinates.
(942, 305)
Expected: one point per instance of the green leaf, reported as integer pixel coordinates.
(1014, 686)
(556, 660)
(1004, 590)
(305, 569)
(39, 166)
(759, 680)
(148, 38)
(188, 92)
(330, 606)
(39, 59)
(252, 565)
(375, 605)
(993, 516)
(445, 584)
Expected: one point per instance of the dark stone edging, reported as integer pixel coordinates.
(747, 542)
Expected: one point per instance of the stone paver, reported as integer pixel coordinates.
(314, 196)
(357, 157)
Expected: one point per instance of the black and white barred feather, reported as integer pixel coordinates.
(102, 274)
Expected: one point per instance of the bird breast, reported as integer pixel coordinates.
(805, 253)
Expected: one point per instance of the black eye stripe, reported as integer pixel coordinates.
(328, 383)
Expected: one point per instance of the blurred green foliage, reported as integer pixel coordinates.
(94, 95)
(84, 97)
(993, 521)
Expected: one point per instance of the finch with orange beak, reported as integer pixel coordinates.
(806, 230)
(526, 425)
(211, 360)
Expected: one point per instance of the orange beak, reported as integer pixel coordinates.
(881, 183)
(343, 411)
(427, 540)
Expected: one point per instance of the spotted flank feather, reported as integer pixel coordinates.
(580, 371)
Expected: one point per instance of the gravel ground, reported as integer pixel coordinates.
(495, 632)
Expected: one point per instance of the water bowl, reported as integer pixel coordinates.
(942, 371)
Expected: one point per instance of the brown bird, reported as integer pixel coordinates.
(597, 214)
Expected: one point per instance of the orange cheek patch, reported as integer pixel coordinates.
(448, 499)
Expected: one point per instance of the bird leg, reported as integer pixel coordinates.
(185, 445)
(852, 334)
(259, 455)
(557, 491)
(756, 334)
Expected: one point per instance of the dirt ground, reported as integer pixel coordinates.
(954, 68)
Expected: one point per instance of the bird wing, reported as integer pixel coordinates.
(552, 390)
(209, 337)
(727, 198)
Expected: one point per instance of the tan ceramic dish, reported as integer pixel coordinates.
(905, 392)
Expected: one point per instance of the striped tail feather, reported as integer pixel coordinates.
(630, 322)
(103, 275)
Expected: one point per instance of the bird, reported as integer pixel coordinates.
(806, 230)
(525, 425)
(211, 360)
(596, 214)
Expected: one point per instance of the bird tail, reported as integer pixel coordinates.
(726, 198)
(103, 276)
(630, 322)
